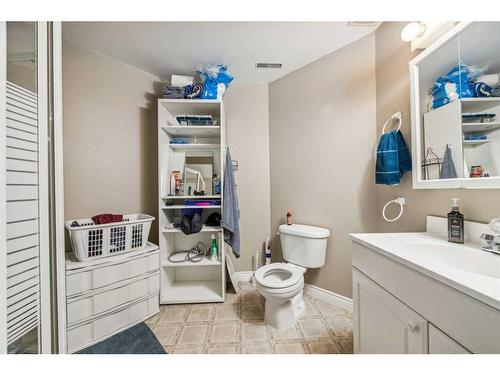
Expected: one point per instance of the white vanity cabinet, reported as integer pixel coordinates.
(382, 323)
(441, 343)
(407, 300)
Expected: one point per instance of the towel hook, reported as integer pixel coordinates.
(399, 200)
(396, 116)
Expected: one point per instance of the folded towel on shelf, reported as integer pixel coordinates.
(475, 137)
(173, 92)
(448, 167)
(393, 159)
(231, 214)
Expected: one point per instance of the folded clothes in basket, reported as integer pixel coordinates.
(107, 218)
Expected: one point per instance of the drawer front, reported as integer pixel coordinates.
(88, 307)
(84, 335)
(85, 281)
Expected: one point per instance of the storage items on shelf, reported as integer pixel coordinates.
(196, 120)
(90, 240)
(215, 80)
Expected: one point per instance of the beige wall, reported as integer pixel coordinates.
(322, 137)
(110, 136)
(247, 119)
(393, 94)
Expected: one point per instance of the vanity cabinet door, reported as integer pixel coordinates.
(441, 343)
(382, 323)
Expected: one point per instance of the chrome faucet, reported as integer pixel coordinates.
(492, 242)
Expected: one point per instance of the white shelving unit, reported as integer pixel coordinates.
(188, 282)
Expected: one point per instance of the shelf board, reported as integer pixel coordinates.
(194, 292)
(205, 228)
(479, 100)
(476, 142)
(184, 101)
(193, 131)
(203, 262)
(194, 146)
(192, 197)
(180, 206)
(480, 127)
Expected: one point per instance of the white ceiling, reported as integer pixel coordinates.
(165, 48)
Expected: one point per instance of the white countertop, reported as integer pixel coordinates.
(463, 267)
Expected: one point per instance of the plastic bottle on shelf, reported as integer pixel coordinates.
(214, 249)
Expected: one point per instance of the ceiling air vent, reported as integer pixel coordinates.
(362, 23)
(263, 65)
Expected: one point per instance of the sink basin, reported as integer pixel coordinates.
(458, 256)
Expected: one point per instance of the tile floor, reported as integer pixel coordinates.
(237, 326)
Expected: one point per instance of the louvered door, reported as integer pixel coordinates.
(23, 252)
(24, 190)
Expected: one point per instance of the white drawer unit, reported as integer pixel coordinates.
(82, 335)
(107, 295)
(82, 277)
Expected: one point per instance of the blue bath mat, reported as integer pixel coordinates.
(138, 339)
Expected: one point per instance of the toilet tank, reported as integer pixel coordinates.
(304, 245)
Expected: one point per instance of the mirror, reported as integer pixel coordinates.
(198, 173)
(456, 109)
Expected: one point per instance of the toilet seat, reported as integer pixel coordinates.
(278, 275)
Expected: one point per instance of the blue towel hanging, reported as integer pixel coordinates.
(393, 157)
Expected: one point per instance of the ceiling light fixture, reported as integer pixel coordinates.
(413, 31)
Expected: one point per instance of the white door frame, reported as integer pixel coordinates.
(3, 189)
(59, 185)
(45, 327)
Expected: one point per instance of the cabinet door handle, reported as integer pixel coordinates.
(413, 327)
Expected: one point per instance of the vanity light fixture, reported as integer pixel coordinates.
(412, 31)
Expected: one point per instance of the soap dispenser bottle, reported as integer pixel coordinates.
(455, 223)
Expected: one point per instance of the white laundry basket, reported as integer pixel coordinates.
(90, 241)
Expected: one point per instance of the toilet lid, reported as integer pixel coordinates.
(278, 275)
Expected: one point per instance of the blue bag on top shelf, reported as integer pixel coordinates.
(458, 83)
(216, 80)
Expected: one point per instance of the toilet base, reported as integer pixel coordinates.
(283, 315)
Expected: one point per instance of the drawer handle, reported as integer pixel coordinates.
(413, 327)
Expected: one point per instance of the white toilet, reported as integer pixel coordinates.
(282, 284)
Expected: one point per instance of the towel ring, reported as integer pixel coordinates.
(397, 116)
(399, 200)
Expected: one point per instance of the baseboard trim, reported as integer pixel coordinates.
(328, 296)
(309, 290)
